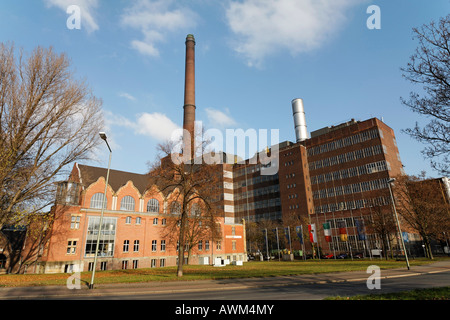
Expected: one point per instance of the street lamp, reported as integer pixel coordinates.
(398, 223)
(91, 285)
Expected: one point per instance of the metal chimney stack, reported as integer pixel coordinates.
(298, 111)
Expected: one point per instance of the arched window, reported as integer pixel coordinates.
(196, 210)
(153, 205)
(175, 208)
(127, 203)
(97, 200)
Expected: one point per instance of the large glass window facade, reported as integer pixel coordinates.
(107, 237)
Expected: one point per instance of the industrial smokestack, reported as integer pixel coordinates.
(298, 111)
(189, 95)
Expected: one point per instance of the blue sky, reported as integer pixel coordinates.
(252, 58)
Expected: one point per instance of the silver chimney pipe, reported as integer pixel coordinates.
(298, 111)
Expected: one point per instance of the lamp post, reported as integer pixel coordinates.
(397, 221)
(91, 285)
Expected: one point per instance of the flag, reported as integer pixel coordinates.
(299, 231)
(342, 230)
(286, 233)
(360, 228)
(327, 231)
(405, 236)
(312, 232)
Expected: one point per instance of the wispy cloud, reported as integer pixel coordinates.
(87, 11)
(263, 27)
(127, 96)
(156, 19)
(219, 118)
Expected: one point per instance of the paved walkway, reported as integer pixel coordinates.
(208, 285)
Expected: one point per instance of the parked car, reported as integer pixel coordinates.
(358, 255)
(328, 256)
(342, 256)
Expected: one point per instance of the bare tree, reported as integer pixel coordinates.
(382, 223)
(424, 207)
(196, 205)
(48, 120)
(429, 66)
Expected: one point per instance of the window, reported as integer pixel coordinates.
(75, 222)
(103, 265)
(128, 220)
(126, 245)
(138, 220)
(154, 244)
(153, 265)
(97, 200)
(195, 210)
(127, 203)
(163, 245)
(136, 246)
(135, 264)
(107, 236)
(155, 221)
(163, 222)
(125, 264)
(207, 245)
(71, 246)
(219, 245)
(233, 245)
(153, 205)
(175, 208)
(162, 262)
(200, 245)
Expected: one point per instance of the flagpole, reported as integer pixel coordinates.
(290, 245)
(278, 244)
(303, 244)
(267, 246)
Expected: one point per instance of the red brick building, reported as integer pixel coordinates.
(132, 234)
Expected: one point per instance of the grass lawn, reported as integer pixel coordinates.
(249, 269)
(442, 293)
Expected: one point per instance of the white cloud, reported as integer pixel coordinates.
(127, 96)
(87, 11)
(155, 19)
(219, 118)
(154, 125)
(263, 27)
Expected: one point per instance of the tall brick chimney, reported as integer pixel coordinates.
(189, 94)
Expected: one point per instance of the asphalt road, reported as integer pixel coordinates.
(303, 287)
(308, 291)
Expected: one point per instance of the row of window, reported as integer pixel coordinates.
(352, 204)
(345, 142)
(267, 203)
(273, 189)
(351, 188)
(72, 246)
(351, 172)
(347, 157)
(127, 203)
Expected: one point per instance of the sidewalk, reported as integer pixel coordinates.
(61, 292)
